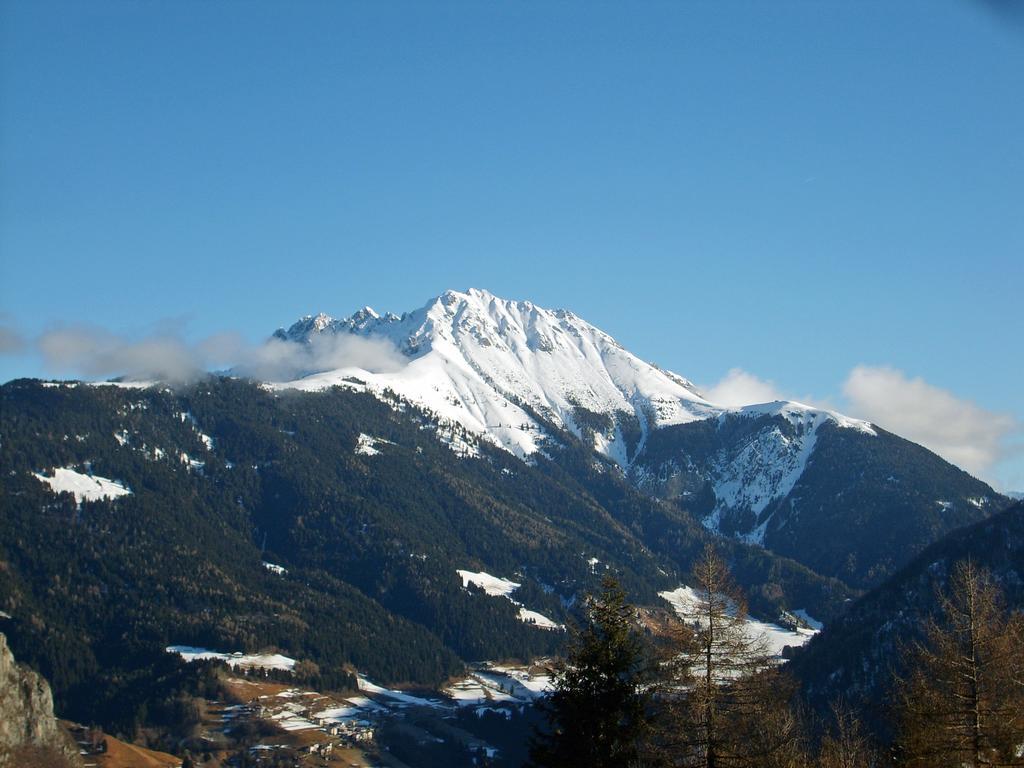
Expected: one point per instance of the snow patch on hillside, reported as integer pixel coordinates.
(540, 620)
(119, 384)
(84, 487)
(496, 586)
(193, 465)
(805, 416)
(685, 601)
(366, 445)
(764, 470)
(399, 696)
(767, 467)
(491, 684)
(457, 439)
(234, 659)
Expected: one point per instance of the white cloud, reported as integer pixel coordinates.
(277, 360)
(958, 430)
(11, 341)
(738, 388)
(95, 353)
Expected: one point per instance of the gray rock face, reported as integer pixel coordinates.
(29, 731)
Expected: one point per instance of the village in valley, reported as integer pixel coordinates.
(260, 721)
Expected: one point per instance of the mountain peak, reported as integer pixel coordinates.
(305, 327)
(510, 370)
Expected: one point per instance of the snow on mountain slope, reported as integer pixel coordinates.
(84, 487)
(495, 586)
(499, 368)
(805, 416)
(490, 364)
(686, 602)
(234, 659)
(759, 471)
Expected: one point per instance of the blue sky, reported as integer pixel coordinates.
(794, 189)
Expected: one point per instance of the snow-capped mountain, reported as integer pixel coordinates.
(503, 368)
(517, 375)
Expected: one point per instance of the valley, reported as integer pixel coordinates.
(355, 546)
(511, 384)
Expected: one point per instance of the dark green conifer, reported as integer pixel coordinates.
(596, 714)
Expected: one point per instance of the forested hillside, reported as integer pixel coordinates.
(368, 508)
(856, 656)
(848, 503)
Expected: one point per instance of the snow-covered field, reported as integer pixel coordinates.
(495, 684)
(358, 707)
(398, 698)
(491, 585)
(234, 659)
(809, 620)
(539, 619)
(685, 601)
(84, 487)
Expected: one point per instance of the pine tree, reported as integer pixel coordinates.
(962, 703)
(723, 703)
(596, 712)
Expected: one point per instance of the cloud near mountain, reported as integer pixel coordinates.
(960, 431)
(96, 353)
(739, 388)
(972, 437)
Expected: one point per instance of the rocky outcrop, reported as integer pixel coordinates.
(29, 731)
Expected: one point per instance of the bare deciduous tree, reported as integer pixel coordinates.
(847, 745)
(962, 703)
(726, 704)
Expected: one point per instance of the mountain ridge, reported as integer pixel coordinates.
(366, 546)
(855, 656)
(521, 377)
(524, 354)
